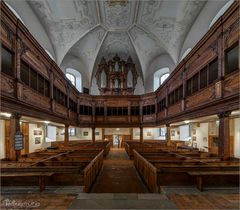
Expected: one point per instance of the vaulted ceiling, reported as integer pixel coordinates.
(90, 30)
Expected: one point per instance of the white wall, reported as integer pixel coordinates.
(176, 132)
(70, 61)
(2, 139)
(237, 137)
(122, 131)
(161, 61)
(148, 134)
(80, 134)
(32, 145)
(201, 135)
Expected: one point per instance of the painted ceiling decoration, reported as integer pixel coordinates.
(90, 30)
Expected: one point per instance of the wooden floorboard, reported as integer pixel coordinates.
(206, 201)
(119, 175)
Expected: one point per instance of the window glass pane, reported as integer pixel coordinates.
(33, 79)
(71, 78)
(163, 78)
(72, 131)
(189, 87)
(232, 59)
(24, 73)
(195, 83)
(176, 96)
(7, 62)
(203, 78)
(47, 88)
(213, 71)
(180, 92)
(40, 84)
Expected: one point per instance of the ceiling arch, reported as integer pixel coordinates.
(143, 30)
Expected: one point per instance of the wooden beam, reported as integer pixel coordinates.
(66, 135)
(14, 127)
(224, 135)
(103, 134)
(168, 136)
(93, 135)
(141, 134)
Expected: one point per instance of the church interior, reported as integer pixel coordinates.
(120, 104)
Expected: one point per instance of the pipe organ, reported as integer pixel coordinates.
(116, 76)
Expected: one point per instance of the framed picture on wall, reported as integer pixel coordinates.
(85, 133)
(137, 133)
(172, 132)
(149, 133)
(162, 131)
(97, 133)
(37, 132)
(37, 140)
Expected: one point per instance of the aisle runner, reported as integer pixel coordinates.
(118, 175)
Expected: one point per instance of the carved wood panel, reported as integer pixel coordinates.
(206, 95)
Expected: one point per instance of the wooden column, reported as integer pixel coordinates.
(66, 139)
(129, 111)
(131, 133)
(103, 134)
(141, 111)
(224, 136)
(51, 80)
(168, 136)
(14, 127)
(141, 134)
(25, 131)
(93, 135)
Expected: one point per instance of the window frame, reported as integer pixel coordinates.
(71, 78)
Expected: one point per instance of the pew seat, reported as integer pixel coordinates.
(41, 176)
(201, 174)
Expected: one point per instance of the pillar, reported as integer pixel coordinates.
(168, 136)
(224, 135)
(131, 133)
(141, 134)
(66, 135)
(103, 134)
(93, 135)
(14, 127)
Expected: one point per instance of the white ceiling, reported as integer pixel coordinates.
(92, 29)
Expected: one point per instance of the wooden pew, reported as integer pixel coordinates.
(71, 167)
(41, 176)
(200, 174)
(178, 169)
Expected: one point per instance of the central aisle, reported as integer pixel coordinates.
(118, 175)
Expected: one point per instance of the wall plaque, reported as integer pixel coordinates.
(18, 141)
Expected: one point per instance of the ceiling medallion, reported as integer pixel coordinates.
(113, 3)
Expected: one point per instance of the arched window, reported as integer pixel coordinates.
(71, 78)
(186, 53)
(163, 78)
(14, 12)
(159, 77)
(221, 12)
(75, 77)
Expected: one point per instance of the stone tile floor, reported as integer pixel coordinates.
(72, 197)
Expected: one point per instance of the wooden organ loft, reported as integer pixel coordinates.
(116, 76)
